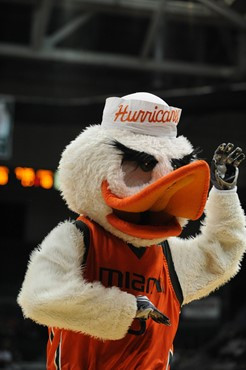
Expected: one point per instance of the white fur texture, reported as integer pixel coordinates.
(90, 159)
(54, 292)
(213, 257)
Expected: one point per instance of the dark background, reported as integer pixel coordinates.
(59, 60)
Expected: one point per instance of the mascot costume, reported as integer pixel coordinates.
(111, 284)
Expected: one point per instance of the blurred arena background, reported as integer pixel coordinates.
(59, 60)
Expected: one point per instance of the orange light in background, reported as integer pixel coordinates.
(45, 178)
(4, 175)
(26, 175)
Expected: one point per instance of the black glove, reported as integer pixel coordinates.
(224, 166)
(146, 310)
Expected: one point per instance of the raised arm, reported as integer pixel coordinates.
(213, 257)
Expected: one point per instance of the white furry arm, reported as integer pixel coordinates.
(54, 292)
(213, 257)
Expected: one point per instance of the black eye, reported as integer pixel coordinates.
(143, 160)
(147, 165)
(177, 163)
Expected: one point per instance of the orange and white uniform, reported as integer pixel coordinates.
(138, 271)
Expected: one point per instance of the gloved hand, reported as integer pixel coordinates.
(146, 309)
(224, 166)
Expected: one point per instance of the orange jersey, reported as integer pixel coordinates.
(138, 271)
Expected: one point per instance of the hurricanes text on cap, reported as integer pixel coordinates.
(142, 113)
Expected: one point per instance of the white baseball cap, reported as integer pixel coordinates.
(142, 113)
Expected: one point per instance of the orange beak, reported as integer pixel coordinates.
(152, 212)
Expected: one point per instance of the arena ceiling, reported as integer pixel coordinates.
(78, 48)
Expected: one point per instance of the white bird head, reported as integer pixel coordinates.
(132, 175)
